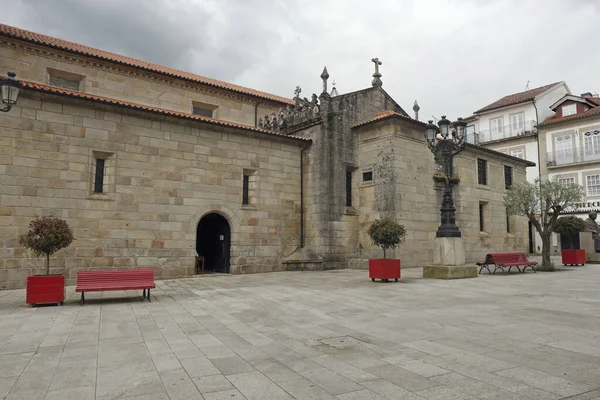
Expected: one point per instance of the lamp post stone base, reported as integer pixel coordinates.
(449, 260)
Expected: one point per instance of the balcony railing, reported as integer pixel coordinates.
(572, 156)
(504, 132)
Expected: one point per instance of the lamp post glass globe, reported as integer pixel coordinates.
(9, 91)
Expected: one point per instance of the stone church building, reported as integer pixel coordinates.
(152, 166)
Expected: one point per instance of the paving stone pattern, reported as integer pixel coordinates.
(312, 335)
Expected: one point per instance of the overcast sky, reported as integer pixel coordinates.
(453, 56)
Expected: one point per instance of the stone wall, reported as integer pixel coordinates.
(163, 175)
(332, 229)
(403, 189)
(33, 63)
(469, 194)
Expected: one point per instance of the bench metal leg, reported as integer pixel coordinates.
(144, 294)
(82, 298)
(149, 296)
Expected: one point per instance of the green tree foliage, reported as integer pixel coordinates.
(569, 225)
(46, 236)
(386, 233)
(542, 202)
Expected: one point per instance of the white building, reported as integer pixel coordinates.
(510, 125)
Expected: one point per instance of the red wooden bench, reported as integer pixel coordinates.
(103, 281)
(506, 260)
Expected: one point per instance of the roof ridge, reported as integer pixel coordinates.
(94, 97)
(66, 45)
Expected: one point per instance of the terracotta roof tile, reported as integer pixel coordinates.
(589, 113)
(106, 100)
(384, 115)
(37, 38)
(516, 98)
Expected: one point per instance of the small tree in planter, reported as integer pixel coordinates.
(569, 228)
(387, 234)
(46, 236)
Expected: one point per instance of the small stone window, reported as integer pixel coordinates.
(482, 215)
(508, 176)
(99, 176)
(507, 222)
(103, 175)
(204, 110)
(64, 79)
(367, 176)
(348, 188)
(481, 171)
(249, 188)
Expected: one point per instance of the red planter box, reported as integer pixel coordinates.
(573, 257)
(384, 269)
(45, 289)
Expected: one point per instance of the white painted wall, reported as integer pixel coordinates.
(546, 99)
(531, 153)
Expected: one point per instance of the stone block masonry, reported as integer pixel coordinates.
(161, 176)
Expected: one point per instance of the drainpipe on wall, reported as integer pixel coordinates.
(302, 196)
(537, 122)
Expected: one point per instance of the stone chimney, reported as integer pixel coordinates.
(587, 94)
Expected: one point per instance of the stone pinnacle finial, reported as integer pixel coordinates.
(416, 109)
(334, 91)
(376, 76)
(325, 76)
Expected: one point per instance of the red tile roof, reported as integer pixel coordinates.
(516, 98)
(384, 115)
(106, 100)
(592, 112)
(49, 41)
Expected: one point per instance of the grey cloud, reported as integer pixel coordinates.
(453, 56)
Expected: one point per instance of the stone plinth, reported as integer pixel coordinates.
(448, 251)
(586, 242)
(449, 261)
(303, 259)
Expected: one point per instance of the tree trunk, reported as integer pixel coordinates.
(546, 249)
(47, 264)
(384, 253)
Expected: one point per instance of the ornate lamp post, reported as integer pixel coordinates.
(9, 91)
(446, 144)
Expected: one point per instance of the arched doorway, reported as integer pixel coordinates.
(213, 239)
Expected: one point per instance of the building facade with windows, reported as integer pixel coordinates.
(159, 168)
(509, 125)
(571, 143)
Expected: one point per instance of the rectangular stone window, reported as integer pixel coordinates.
(348, 188)
(367, 176)
(507, 222)
(481, 171)
(103, 175)
(482, 207)
(508, 177)
(246, 190)
(99, 176)
(249, 188)
(203, 109)
(64, 79)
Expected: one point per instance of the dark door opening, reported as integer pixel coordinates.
(213, 239)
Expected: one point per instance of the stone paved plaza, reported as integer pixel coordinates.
(312, 335)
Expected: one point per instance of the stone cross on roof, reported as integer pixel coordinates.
(376, 76)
